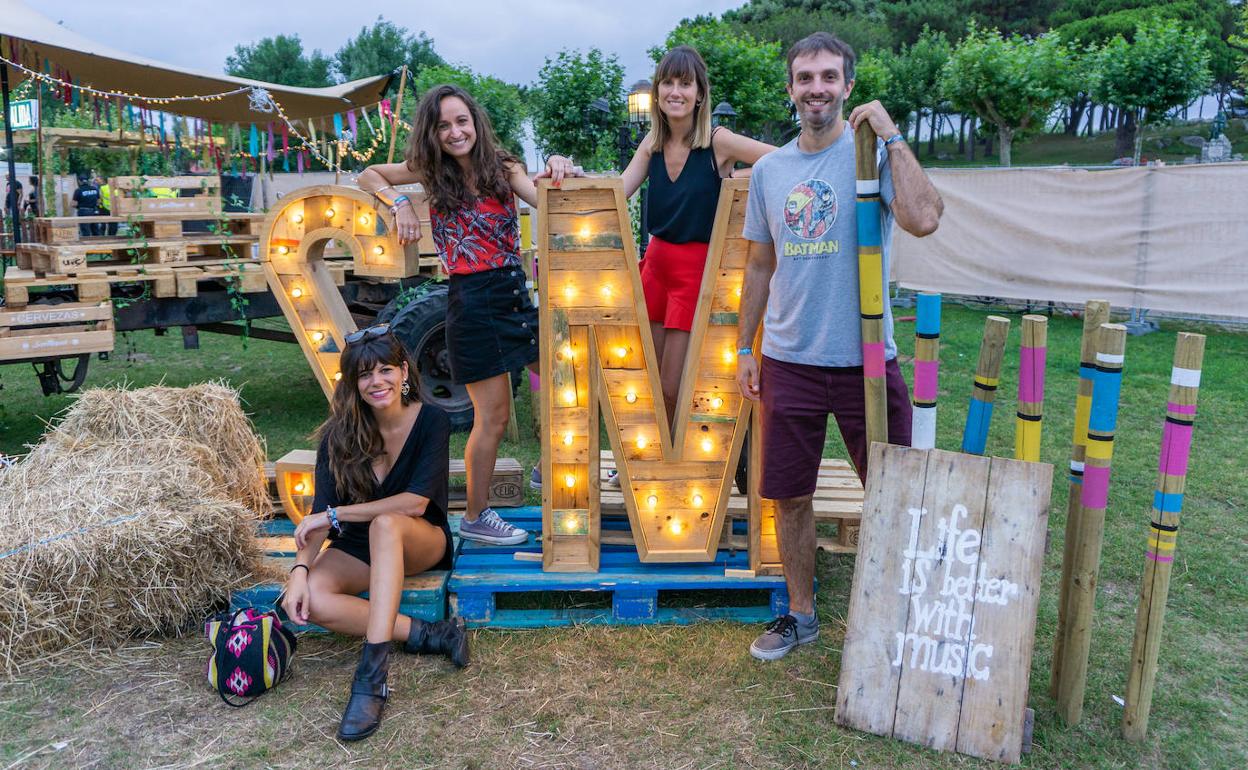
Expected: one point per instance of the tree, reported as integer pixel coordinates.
(791, 20)
(561, 99)
(280, 60)
(1240, 42)
(1096, 22)
(916, 76)
(382, 48)
(1012, 83)
(875, 77)
(1164, 67)
(747, 74)
(500, 100)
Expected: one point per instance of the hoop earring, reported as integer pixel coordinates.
(406, 389)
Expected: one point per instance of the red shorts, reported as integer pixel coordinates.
(671, 278)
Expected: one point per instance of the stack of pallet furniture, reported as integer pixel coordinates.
(157, 250)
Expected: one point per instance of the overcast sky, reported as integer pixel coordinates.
(509, 39)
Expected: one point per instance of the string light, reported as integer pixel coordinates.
(569, 396)
(621, 352)
(570, 480)
(364, 220)
(641, 442)
(606, 291)
(297, 218)
(652, 501)
(585, 231)
(283, 250)
(570, 523)
(675, 526)
(631, 397)
(717, 402)
(707, 445)
(296, 292)
(569, 292)
(329, 213)
(567, 352)
(318, 335)
(298, 490)
(729, 356)
(697, 501)
(379, 250)
(567, 439)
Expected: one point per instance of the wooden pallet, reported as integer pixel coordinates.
(838, 500)
(507, 484)
(56, 231)
(73, 258)
(166, 280)
(67, 329)
(424, 595)
(482, 573)
(131, 195)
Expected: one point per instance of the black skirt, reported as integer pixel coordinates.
(491, 324)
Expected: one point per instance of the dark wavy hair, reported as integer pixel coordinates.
(353, 440)
(441, 175)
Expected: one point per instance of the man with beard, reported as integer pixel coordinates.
(804, 254)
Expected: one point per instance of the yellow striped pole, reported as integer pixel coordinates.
(1095, 313)
(871, 283)
(1163, 530)
(1031, 388)
(1102, 422)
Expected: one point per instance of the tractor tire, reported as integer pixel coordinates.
(420, 325)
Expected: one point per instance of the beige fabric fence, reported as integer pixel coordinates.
(1170, 239)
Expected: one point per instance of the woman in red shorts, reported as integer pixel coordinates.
(685, 159)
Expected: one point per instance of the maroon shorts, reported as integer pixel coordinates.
(671, 279)
(797, 399)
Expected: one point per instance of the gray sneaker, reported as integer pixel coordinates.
(489, 528)
(782, 635)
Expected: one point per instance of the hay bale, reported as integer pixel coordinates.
(114, 526)
(208, 414)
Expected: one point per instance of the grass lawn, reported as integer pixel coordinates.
(671, 697)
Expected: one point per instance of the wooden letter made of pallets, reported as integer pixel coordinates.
(292, 246)
(597, 352)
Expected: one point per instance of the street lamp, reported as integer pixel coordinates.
(639, 103)
(724, 114)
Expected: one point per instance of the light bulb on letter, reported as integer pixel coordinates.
(329, 213)
(569, 480)
(318, 336)
(729, 356)
(631, 397)
(296, 292)
(298, 489)
(652, 501)
(641, 442)
(707, 445)
(675, 526)
(570, 523)
(297, 219)
(569, 396)
(717, 402)
(567, 439)
(697, 501)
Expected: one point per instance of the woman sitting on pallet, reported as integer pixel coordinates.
(381, 497)
(491, 324)
(684, 158)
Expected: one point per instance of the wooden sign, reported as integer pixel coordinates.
(942, 613)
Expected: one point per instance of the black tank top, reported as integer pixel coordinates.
(684, 210)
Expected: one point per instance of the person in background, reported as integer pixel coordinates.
(106, 206)
(87, 203)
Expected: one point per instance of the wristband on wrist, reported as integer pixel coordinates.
(297, 566)
(332, 513)
(894, 138)
(745, 351)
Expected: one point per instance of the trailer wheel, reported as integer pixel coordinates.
(420, 325)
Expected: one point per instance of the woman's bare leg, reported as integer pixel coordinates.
(672, 368)
(491, 404)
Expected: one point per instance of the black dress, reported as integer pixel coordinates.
(421, 468)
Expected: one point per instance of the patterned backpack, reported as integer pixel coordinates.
(252, 653)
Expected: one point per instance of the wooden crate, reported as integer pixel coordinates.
(167, 281)
(130, 195)
(67, 329)
(297, 466)
(66, 230)
(483, 574)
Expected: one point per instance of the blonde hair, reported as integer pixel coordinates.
(685, 63)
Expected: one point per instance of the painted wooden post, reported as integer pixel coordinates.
(1095, 313)
(926, 371)
(987, 377)
(1163, 530)
(871, 283)
(1031, 388)
(397, 115)
(1102, 421)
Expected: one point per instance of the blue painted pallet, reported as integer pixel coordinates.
(424, 595)
(482, 573)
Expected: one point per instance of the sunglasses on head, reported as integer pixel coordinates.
(376, 330)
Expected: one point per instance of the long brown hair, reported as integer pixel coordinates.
(441, 175)
(683, 63)
(353, 440)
